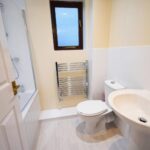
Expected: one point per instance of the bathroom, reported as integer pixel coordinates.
(40, 112)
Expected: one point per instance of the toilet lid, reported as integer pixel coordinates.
(92, 107)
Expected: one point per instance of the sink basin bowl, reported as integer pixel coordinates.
(133, 106)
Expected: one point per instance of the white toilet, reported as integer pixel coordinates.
(97, 112)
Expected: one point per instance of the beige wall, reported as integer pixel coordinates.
(121, 23)
(115, 23)
(130, 23)
(101, 23)
(39, 24)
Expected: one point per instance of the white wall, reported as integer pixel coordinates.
(98, 69)
(130, 66)
(127, 65)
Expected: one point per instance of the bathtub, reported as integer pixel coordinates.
(25, 98)
(30, 116)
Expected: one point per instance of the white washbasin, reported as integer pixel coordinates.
(133, 106)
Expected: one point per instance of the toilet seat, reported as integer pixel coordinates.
(92, 107)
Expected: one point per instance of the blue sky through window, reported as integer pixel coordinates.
(67, 26)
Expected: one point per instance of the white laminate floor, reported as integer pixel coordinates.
(66, 134)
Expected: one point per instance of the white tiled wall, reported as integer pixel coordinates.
(98, 76)
(130, 66)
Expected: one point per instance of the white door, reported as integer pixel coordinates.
(11, 133)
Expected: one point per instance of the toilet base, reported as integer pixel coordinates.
(92, 126)
(97, 123)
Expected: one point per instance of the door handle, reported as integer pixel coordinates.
(15, 87)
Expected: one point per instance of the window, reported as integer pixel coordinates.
(67, 25)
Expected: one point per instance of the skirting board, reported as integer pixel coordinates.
(57, 113)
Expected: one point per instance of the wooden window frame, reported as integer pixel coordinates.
(67, 4)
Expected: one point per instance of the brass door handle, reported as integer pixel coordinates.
(15, 87)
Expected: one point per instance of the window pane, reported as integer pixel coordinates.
(67, 26)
